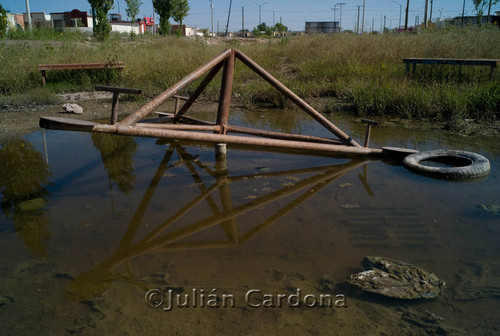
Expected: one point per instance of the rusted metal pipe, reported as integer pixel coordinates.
(369, 124)
(233, 139)
(296, 99)
(282, 136)
(150, 106)
(177, 105)
(225, 92)
(208, 78)
(257, 132)
(181, 127)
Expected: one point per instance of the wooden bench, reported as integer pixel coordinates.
(77, 66)
(492, 63)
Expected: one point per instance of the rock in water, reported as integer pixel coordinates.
(73, 108)
(396, 279)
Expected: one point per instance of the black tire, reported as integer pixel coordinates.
(467, 165)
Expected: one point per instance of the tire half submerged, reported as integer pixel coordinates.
(465, 165)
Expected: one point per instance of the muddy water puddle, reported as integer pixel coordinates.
(103, 234)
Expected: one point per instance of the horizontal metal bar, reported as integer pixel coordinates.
(233, 139)
(85, 126)
(181, 127)
(180, 97)
(279, 135)
(117, 89)
(186, 119)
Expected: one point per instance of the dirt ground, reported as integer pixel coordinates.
(96, 106)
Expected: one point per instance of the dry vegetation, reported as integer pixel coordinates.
(364, 70)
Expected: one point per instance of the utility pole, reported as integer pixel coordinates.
(212, 14)
(384, 23)
(430, 16)
(489, 12)
(274, 23)
(463, 15)
(334, 12)
(340, 4)
(154, 22)
(29, 13)
(228, 16)
(260, 12)
(400, 10)
(243, 21)
(373, 24)
(425, 13)
(363, 22)
(357, 25)
(406, 16)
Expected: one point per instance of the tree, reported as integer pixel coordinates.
(102, 27)
(279, 27)
(3, 21)
(480, 5)
(179, 11)
(132, 8)
(164, 10)
(263, 29)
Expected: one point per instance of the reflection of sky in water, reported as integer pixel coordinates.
(123, 215)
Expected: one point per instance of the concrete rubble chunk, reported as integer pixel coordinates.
(73, 108)
(396, 279)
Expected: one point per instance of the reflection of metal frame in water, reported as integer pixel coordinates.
(154, 243)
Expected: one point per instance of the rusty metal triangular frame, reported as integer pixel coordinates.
(226, 59)
(181, 127)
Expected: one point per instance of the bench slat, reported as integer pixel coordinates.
(451, 61)
(75, 66)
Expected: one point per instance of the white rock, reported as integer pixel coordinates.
(73, 108)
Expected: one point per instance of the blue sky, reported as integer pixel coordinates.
(293, 13)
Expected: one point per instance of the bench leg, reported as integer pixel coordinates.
(491, 72)
(114, 109)
(414, 69)
(407, 69)
(43, 78)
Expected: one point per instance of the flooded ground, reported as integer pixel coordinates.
(98, 231)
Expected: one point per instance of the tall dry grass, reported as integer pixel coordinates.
(366, 70)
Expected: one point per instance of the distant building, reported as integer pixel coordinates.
(473, 20)
(174, 28)
(115, 17)
(120, 26)
(327, 27)
(16, 21)
(38, 20)
(73, 19)
(148, 24)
